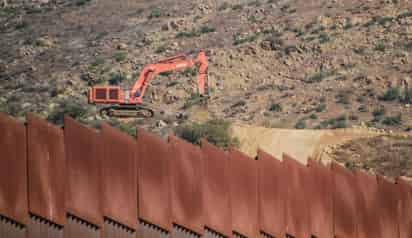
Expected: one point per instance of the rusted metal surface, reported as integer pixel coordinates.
(345, 201)
(215, 186)
(272, 192)
(13, 170)
(46, 170)
(186, 193)
(147, 230)
(83, 156)
(388, 208)
(244, 194)
(119, 185)
(297, 207)
(213, 234)
(113, 229)
(182, 232)
(41, 228)
(320, 184)
(11, 229)
(404, 208)
(367, 210)
(79, 228)
(154, 180)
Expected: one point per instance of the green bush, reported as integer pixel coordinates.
(392, 120)
(313, 116)
(275, 107)
(378, 114)
(380, 47)
(237, 7)
(343, 97)
(120, 56)
(238, 39)
(224, 6)
(334, 123)
(161, 49)
(207, 29)
(214, 131)
(321, 107)
(73, 108)
(155, 13)
(390, 95)
(323, 38)
(319, 76)
(301, 124)
(82, 2)
(116, 79)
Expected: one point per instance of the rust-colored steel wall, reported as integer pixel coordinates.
(46, 170)
(367, 215)
(320, 184)
(244, 194)
(404, 209)
(186, 194)
(79, 228)
(147, 230)
(216, 198)
(387, 208)
(154, 180)
(112, 229)
(11, 229)
(297, 207)
(345, 202)
(83, 156)
(119, 185)
(40, 228)
(272, 192)
(13, 170)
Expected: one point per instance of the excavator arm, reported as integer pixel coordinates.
(171, 64)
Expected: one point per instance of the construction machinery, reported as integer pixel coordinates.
(129, 103)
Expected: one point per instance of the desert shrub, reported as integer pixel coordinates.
(128, 127)
(155, 13)
(390, 95)
(362, 108)
(319, 76)
(378, 114)
(313, 116)
(405, 14)
(380, 47)
(324, 37)
(348, 25)
(301, 124)
(206, 29)
(82, 2)
(321, 107)
(161, 49)
(238, 39)
(275, 107)
(237, 7)
(120, 56)
(215, 131)
(73, 108)
(116, 79)
(392, 120)
(194, 99)
(407, 95)
(223, 6)
(334, 123)
(343, 97)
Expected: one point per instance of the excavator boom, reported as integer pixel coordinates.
(133, 98)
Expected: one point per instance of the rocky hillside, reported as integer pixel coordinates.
(273, 63)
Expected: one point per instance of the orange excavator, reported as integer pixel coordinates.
(129, 103)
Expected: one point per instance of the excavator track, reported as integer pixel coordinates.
(127, 111)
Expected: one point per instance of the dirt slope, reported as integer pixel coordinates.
(300, 144)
